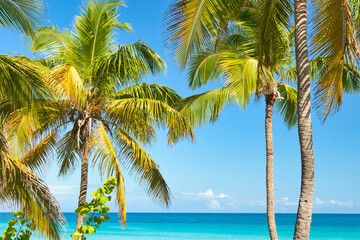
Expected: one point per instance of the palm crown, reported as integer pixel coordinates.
(250, 67)
(94, 106)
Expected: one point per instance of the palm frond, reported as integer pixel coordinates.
(205, 107)
(67, 83)
(149, 91)
(20, 187)
(153, 112)
(192, 25)
(351, 78)
(20, 79)
(37, 157)
(272, 17)
(94, 29)
(106, 158)
(128, 64)
(334, 41)
(241, 74)
(287, 106)
(55, 42)
(23, 15)
(68, 152)
(135, 158)
(204, 67)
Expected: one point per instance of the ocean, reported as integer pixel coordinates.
(208, 226)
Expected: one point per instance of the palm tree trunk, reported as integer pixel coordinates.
(303, 220)
(270, 207)
(84, 172)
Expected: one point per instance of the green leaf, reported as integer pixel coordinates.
(12, 222)
(103, 199)
(18, 214)
(104, 218)
(104, 209)
(76, 235)
(90, 230)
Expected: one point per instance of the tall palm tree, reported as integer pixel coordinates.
(249, 52)
(335, 44)
(95, 109)
(303, 220)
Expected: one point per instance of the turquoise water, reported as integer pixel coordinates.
(161, 226)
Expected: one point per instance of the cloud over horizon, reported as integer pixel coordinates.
(209, 196)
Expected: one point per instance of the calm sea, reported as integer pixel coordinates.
(161, 226)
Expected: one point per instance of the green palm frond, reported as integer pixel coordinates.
(126, 65)
(154, 112)
(192, 25)
(23, 15)
(287, 106)
(23, 189)
(272, 17)
(289, 75)
(139, 162)
(49, 62)
(137, 128)
(242, 76)
(53, 41)
(37, 157)
(149, 91)
(20, 187)
(68, 152)
(94, 29)
(335, 41)
(20, 79)
(67, 83)
(106, 158)
(204, 67)
(205, 107)
(21, 129)
(351, 78)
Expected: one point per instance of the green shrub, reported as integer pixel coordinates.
(97, 205)
(19, 228)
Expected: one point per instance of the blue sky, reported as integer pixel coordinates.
(225, 170)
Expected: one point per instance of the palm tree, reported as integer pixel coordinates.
(19, 186)
(95, 109)
(335, 24)
(196, 24)
(303, 220)
(242, 53)
(22, 15)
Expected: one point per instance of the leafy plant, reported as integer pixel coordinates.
(19, 228)
(97, 205)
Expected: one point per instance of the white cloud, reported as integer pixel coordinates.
(319, 202)
(222, 195)
(285, 201)
(342, 204)
(62, 189)
(209, 196)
